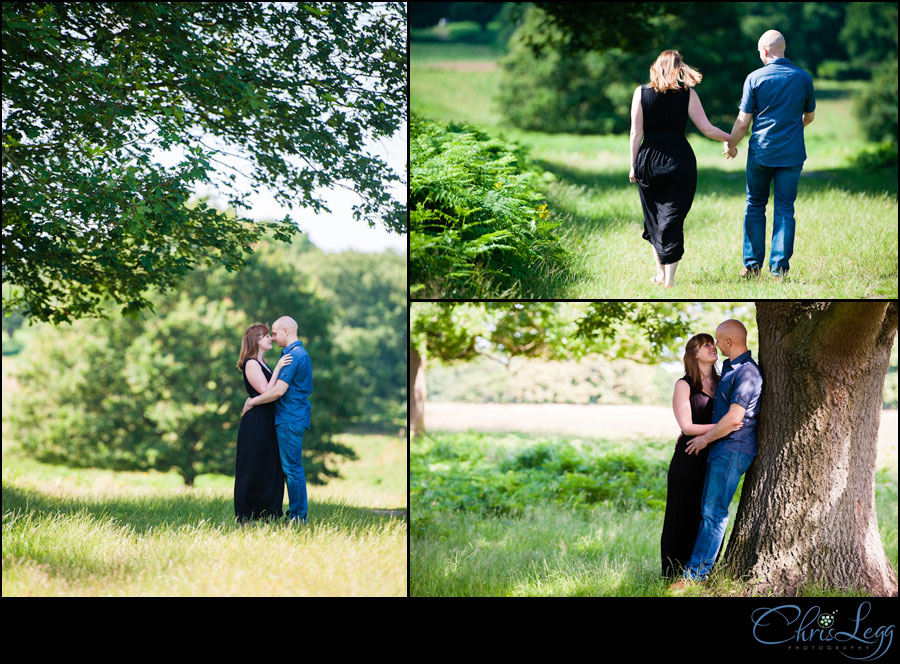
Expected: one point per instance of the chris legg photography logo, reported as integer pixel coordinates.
(817, 629)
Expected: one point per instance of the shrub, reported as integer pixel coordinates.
(877, 105)
(478, 225)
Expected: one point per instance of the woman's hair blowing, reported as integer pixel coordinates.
(669, 72)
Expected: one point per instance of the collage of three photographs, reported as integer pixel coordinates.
(441, 299)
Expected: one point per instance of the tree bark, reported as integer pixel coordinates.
(807, 509)
(417, 392)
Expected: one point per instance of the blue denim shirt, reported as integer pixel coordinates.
(777, 96)
(741, 383)
(293, 406)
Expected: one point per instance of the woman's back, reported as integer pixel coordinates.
(664, 113)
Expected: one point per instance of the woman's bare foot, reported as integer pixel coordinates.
(659, 278)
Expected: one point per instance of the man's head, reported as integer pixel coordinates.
(770, 45)
(731, 338)
(285, 331)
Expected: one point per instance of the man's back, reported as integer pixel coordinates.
(777, 96)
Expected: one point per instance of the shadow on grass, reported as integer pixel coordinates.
(147, 513)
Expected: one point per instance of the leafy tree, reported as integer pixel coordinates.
(290, 93)
(450, 332)
(870, 33)
(368, 294)
(564, 76)
(162, 392)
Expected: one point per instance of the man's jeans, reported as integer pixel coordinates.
(722, 477)
(290, 447)
(759, 180)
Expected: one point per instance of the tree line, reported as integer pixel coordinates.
(160, 390)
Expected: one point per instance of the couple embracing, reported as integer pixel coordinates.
(778, 99)
(275, 416)
(718, 416)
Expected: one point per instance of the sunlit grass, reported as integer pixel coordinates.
(87, 532)
(846, 233)
(555, 550)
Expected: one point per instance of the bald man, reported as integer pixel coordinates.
(780, 101)
(292, 412)
(732, 450)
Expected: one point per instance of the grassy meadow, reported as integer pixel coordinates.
(91, 532)
(846, 214)
(522, 515)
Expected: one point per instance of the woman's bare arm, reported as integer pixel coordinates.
(681, 405)
(698, 117)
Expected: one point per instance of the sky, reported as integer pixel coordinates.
(337, 231)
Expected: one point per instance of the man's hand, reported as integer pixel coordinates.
(247, 406)
(730, 151)
(697, 444)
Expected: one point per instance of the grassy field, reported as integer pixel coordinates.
(494, 515)
(846, 238)
(90, 532)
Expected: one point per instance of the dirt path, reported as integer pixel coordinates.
(594, 421)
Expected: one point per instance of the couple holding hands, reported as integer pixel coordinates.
(778, 99)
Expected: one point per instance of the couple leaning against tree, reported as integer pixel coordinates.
(717, 416)
(778, 99)
(276, 414)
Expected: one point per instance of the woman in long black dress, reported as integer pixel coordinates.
(693, 404)
(664, 166)
(258, 477)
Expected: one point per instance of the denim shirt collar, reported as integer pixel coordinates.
(740, 359)
(779, 61)
(288, 349)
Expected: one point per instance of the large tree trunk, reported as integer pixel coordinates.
(807, 510)
(417, 392)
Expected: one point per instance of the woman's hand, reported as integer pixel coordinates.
(284, 361)
(631, 177)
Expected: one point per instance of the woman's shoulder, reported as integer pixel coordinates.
(683, 383)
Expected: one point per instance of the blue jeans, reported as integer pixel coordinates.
(290, 448)
(759, 180)
(723, 474)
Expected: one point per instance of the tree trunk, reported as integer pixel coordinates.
(807, 510)
(417, 392)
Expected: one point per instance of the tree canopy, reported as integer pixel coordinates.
(245, 95)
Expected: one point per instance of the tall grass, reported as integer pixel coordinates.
(100, 533)
(548, 544)
(846, 237)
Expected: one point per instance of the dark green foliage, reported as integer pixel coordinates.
(478, 226)
(473, 473)
(877, 105)
(588, 90)
(162, 391)
(870, 33)
(93, 93)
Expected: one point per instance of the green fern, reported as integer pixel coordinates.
(478, 226)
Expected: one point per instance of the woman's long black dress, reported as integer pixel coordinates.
(666, 171)
(258, 478)
(687, 473)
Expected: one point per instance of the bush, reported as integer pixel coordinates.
(565, 90)
(877, 105)
(479, 476)
(839, 70)
(478, 226)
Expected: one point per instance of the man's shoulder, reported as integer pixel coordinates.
(748, 368)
